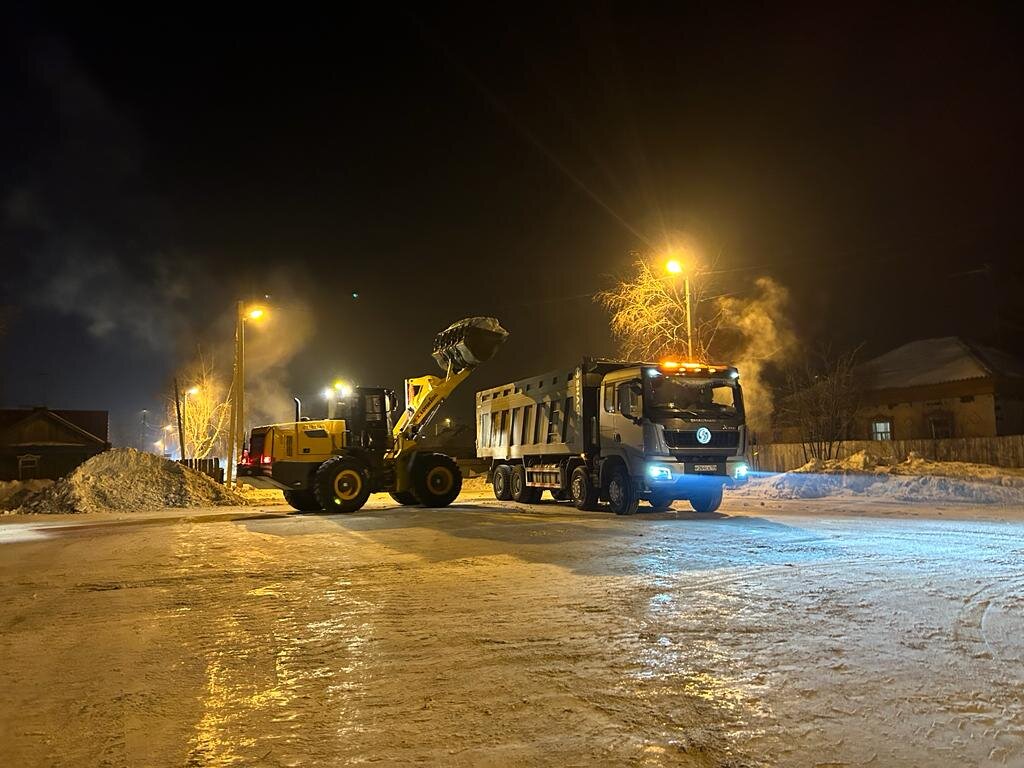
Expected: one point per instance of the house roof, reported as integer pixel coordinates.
(938, 361)
(92, 424)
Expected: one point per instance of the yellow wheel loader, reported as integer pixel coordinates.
(334, 464)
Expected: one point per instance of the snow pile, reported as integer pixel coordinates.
(14, 493)
(916, 479)
(126, 480)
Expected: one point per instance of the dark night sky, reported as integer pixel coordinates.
(444, 163)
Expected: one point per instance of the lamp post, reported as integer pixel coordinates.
(674, 268)
(236, 438)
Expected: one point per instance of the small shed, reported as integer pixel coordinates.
(44, 443)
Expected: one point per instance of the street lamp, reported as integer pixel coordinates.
(236, 438)
(673, 267)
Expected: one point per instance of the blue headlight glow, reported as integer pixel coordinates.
(741, 470)
(659, 472)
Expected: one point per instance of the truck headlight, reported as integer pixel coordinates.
(740, 472)
(659, 472)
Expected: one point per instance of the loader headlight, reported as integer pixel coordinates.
(740, 471)
(659, 472)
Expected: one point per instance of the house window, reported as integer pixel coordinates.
(940, 425)
(881, 429)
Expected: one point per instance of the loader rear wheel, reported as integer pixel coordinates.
(521, 492)
(304, 501)
(436, 480)
(342, 484)
(405, 498)
(501, 482)
(582, 491)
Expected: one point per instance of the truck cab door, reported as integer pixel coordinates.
(621, 434)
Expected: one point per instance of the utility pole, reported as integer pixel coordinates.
(689, 326)
(233, 429)
(177, 410)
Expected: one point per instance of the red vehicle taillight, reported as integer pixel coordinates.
(266, 459)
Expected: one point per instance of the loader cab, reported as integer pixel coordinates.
(369, 416)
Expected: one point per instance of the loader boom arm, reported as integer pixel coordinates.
(424, 395)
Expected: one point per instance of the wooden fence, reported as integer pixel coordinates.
(209, 467)
(1006, 451)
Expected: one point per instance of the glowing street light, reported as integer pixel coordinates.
(343, 389)
(674, 267)
(328, 393)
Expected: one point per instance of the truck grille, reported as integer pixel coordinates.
(678, 438)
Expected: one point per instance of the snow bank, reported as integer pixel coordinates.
(126, 480)
(916, 479)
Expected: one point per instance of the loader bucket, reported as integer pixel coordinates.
(468, 343)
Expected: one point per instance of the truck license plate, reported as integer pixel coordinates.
(705, 467)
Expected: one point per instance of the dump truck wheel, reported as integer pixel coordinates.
(558, 494)
(582, 491)
(342, 484)
(708, 501)
(621, 496)
(405, 498)
(501, 482)
(521, 492)
(660, 503)
(437, 480)
(304, 501)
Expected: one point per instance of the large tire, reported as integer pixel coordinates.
(501, 481)
(660, 503)
(622, 497)
(405, 498)
(304, 501)
(436, 480)
(342, 484)
(521, 492)
(707, 501)
(582, 491)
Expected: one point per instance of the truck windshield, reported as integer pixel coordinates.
(693, 397)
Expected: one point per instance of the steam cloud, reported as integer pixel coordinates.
(765, 336)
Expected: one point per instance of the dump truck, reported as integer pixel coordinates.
(334, 464)
(616, 431)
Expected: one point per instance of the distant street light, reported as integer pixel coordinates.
(673, 267)
(236, 438)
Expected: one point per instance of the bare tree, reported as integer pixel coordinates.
(205, 409)
(648, 314)
(821, 399)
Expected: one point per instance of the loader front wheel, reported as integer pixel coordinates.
(436, 480)
(342, 484)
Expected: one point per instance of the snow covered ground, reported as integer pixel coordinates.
(846, 631)
(916, 481)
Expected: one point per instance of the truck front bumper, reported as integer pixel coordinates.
(662, 476)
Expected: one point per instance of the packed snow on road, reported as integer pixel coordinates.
(854, 629)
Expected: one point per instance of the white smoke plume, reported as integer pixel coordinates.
(761, 335)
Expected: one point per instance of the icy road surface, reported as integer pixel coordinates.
(795, 634)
